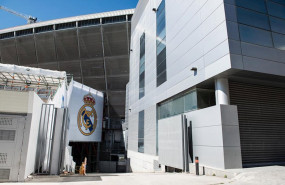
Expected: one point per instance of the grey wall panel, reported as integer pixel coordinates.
(150, 130)
(215, 137)
(133, 132)
(11, 149)
(56, 151)
(264, 66)
(170, 142)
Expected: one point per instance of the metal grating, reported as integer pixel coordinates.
(8, 51)
(67, 45)
(261, 111)
(114, 19)
(6, 121)
(45, 47)
(4, 174)
(90, 42)
(115, 39)
(7, 135)
(3, 158)
(26, 50)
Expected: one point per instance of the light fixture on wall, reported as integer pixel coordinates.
(130, 110)
(194, 69)
(131, 50)
(154, 9)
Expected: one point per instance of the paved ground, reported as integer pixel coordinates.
(274, 175)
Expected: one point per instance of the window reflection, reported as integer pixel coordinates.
(160, 45)
(257, 5)
(255, 36)
(141, 132)
(262, 22)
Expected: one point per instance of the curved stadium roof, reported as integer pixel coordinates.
(93, 48)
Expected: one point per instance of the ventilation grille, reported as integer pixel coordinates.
(7, 135)
(4, 174)
(24, 32)
(114, 19)
(44, 29)
(89, 22)
(7, 35)
(65, 25)
(3, 158)
(6, 121)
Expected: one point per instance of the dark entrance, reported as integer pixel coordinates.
(261, 111)
(80, 150)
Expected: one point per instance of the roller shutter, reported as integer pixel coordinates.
(261, 111)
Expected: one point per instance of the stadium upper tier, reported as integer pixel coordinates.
(93, 48)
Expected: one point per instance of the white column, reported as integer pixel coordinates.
(222, 91)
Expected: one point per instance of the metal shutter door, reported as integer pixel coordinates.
(261, 111)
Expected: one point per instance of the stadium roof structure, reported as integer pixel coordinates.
(93, 48)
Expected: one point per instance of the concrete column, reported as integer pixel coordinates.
(222, 91)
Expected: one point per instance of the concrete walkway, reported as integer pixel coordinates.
(274, 175)
(130, 179)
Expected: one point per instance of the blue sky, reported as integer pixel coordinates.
(54, 9)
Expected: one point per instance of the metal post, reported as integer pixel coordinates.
(186, 145)
(197, 165)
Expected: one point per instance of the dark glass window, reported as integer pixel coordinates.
(276, 9)
(252, 18)
(189, 101)
(160, 45)
(257, 5)
(277, 25)
(141, 132)
(142, 67)
(279, 41)
(279, 1)
(255, 36)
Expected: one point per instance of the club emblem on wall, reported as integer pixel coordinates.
(87, 116)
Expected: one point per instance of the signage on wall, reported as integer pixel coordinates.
(85, 113)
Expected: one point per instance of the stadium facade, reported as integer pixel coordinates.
(93, 50)
(207, 80)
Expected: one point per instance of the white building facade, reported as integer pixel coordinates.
(220, 64)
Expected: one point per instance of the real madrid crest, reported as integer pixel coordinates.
(87, 116)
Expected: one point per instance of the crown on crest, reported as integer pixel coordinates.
(89, 99)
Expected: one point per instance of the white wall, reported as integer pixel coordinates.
(36, 113)
(142, 162)
(14, 101)
(30, 141)
(196, 36)
(28, 104)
